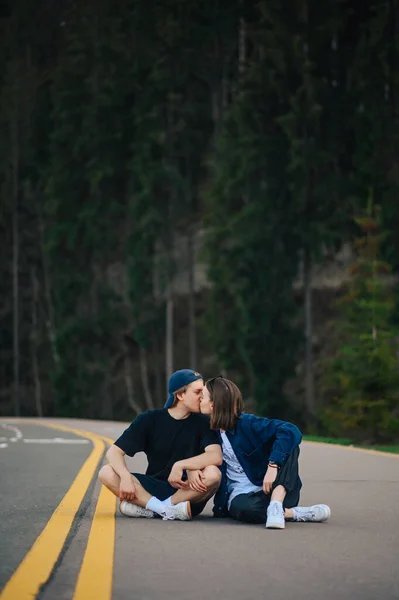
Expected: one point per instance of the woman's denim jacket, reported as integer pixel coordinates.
(256, 441)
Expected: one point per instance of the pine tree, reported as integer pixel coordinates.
(85, 209)
(251, 265)
(363, 376)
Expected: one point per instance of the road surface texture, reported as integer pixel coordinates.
(61, 537)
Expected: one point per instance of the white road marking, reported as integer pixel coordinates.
(18, 437)
(55, 441)
(17, 433)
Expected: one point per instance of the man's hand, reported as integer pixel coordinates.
(269, 479)
(195, 480)
(127, 490)
(175, 478)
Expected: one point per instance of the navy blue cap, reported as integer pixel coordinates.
(178, 380)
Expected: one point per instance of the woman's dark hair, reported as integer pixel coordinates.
(227, 403)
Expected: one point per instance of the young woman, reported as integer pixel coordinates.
(260, 477)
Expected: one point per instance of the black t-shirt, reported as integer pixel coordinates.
(166, 440)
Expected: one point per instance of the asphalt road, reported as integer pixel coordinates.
(34, 478)
(353, 556)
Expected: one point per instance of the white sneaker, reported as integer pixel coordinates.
(180, 512)
(131, 510)
(275, 516)
(316, 514)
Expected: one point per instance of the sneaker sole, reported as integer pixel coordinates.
(275, 526)
(133, 517)
(328, 515)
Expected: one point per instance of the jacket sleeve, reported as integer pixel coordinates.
(286, 436)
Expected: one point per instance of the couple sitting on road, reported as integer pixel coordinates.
(249, 463)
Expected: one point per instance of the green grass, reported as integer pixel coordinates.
(347, 442)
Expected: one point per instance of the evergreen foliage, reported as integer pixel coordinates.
(126, 128)
(363, 376)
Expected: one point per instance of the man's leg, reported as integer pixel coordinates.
(134, 508)
(147, 503)
(111, 480)
(196, 500)
(211, 479)
(171, 505)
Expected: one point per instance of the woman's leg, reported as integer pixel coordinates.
(289, 479)
(249, 508)
(285, 493)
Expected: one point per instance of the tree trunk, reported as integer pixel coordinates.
(50, 320)
(106, 393)
(191, 300)
(34, 344)
(242, 42)
(169, 333)
(215, 108)
(129, 386)
(309, 374)
(144, 380)
(15, 259)
(169, 249)
(159, 376)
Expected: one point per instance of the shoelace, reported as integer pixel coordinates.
(275, 510)
(305, 516)
(168, 517)
(142, 511)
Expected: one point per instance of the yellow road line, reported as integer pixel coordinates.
(38, 564)
(96, 573)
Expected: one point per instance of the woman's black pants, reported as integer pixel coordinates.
(252, 507)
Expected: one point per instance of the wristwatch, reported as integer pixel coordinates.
(273, 464)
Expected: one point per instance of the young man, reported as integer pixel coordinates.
(260, 469)
(175, 439)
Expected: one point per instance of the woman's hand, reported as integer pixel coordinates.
(269, 479)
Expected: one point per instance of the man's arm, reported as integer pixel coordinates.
(211, 456)
(116, 458)
(132, 440)
(127, 490)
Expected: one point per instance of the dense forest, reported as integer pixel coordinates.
(269, 131)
